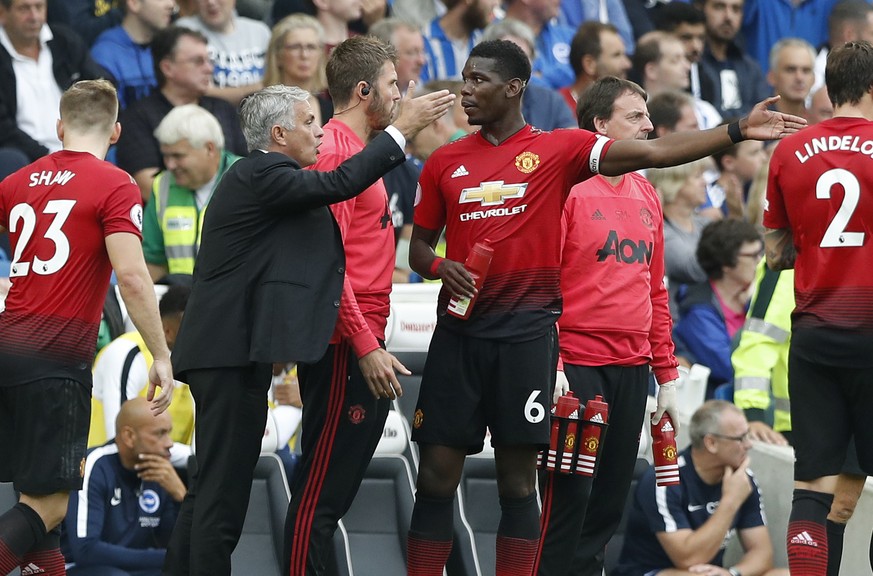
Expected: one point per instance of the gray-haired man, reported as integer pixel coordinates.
(267, 288)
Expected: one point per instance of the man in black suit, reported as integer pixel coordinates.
(267, 287)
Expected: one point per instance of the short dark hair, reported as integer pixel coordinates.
(356, 59)
(671, 15)
(164, 46)
(849, 72)
(586, 42)
(665, 109)
(598, 100)
(848, 12)
(510, 61)
(648, 50)
(174, 300)
(720, 243)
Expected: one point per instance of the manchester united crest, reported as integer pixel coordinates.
(646, 217)
(527, 162)
(591, 444)
(357, 413)
(417, 419)
(570, 442)
(669, 453)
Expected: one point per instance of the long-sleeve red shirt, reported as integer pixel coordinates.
(612, 278)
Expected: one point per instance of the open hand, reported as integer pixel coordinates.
(416, 113)
(765, 124)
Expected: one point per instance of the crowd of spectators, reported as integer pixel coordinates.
(182, 68)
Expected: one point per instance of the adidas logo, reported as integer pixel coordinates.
(667, 427)
(597, 215)
(597, 418)
(461, 171)
(801, 538)
(31, 569)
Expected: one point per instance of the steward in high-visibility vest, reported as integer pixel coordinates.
(760, 359)
(173, 220)
(192, 145)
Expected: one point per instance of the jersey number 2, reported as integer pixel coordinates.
(836, 236)
(24, 215)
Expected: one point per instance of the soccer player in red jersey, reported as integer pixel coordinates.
(507, 184)
(72, 218)
(818, 215)
(612, 257)
(347, 393)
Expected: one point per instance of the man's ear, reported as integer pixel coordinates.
(648, 71)
(125, 435)
(116, 133)
(600, 125)
(514, 87)
(164, 66)
(277, 134)
(589, 65)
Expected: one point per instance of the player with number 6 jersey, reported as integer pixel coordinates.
(506, 185)
(818, 215)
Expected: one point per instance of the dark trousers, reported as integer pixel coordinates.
(580, 515)
(230, 416)
(342, 424)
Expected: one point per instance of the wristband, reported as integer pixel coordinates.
(736, 135)
(435, 265)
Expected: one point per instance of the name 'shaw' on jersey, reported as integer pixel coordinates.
(625, 250)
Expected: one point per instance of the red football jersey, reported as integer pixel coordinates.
(512, 195)
(58, 211)
(821, 187)
(616, 309)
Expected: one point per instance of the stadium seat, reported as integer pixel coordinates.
(371, 538)
(264, 527)
(480, 506)
(8, 499)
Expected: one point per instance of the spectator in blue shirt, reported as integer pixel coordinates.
(551, 66)
(542, 107)
(124, 50)
(767, 21)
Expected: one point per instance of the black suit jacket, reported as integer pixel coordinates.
(269, 273)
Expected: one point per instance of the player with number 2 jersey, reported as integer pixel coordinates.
(819, 214)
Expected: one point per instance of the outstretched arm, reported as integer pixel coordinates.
(761, 124)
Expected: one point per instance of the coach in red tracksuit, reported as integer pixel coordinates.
(616, 323)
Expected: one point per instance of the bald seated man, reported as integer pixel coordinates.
(121, 521)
